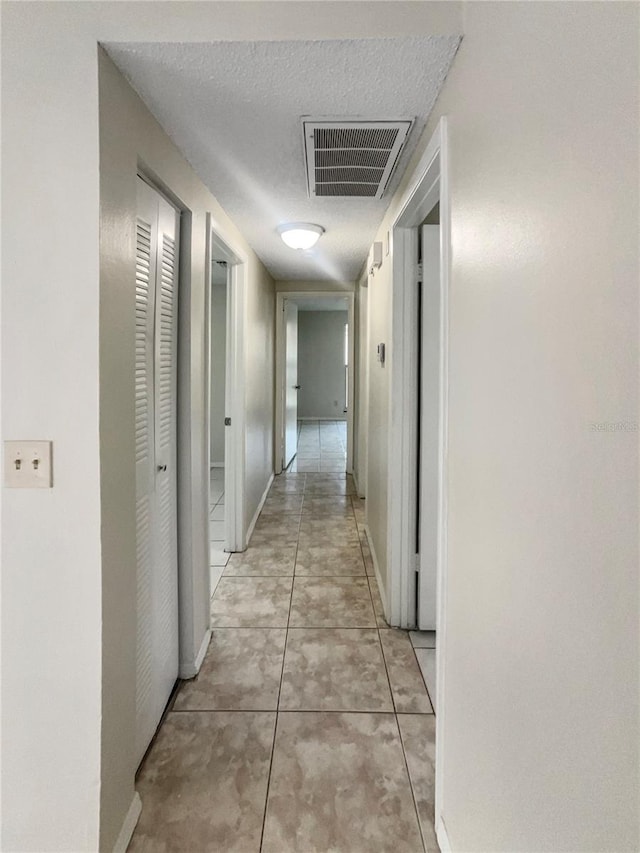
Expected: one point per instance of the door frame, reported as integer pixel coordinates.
(429, 427)
(362, 345)
(289, 309)
(175, 461)
(220, 249)
(431, 185)
(281, 296)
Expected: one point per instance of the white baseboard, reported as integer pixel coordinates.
(259, 510)
(129, 824)
(202, 651)
(359, 489)
(191, 668)
(443, 838)
(376, 568)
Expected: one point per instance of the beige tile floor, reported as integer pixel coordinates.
(322, 447)
(309, 728)
(218, 557)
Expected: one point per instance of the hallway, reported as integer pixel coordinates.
(309, 727)
(322, 447)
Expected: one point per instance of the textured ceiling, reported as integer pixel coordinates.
(234, 109)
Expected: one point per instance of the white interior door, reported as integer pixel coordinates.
(429, 428)
(155, 410)
(290, 381)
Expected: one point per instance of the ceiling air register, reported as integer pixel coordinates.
(352, 158)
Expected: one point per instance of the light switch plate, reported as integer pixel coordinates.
(28, 464)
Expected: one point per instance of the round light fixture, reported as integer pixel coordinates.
(300, 235)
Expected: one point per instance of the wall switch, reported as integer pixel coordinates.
(28, 464)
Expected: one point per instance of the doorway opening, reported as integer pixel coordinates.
(314, 382)
(156, 458)
(224, 416)
(218, 556)
(419, 395)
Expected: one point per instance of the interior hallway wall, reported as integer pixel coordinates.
(120, 154)
(321, 368)
(323, 285)
(51, 788)
(378, 454)
(218, 368)
(361, 375)
(540, 713)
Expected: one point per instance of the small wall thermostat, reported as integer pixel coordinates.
(381, 353)
(374, 260)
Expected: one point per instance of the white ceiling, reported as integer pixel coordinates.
(234, 109)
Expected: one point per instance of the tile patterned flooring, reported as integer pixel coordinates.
(322, 447)
(218, 556)
(309, 728)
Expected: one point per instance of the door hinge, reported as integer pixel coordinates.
(419, 272)
(227, 421)
(416, 562)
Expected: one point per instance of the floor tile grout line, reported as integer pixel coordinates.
(384, 660)
(376, 627)
(413, 793)
(395, 707)
(319, 577)
(289, 628)
(389, 712)
(424, 680)
(370, 627)
(266, 797)
(386, 669)
(275, 727)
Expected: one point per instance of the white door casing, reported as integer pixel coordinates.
(156, 459)
(290, 381)
(235, 433)
(364, 338)
(294, 296)
(429, 451)
(431, 185)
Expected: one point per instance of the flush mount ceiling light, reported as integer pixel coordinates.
(300, 235)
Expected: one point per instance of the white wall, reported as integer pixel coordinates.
(541, 692)
(379, 455)
(542, 675)
(53, 345)
(259, 331)
(68, 617)
(315, 286)
(361, 409)
(218, 367)
(51, 540)
(321, 369)
(120, 153)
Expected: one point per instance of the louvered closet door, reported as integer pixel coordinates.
(156, 512)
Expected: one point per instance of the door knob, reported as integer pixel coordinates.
(297, 387)
(162, 467)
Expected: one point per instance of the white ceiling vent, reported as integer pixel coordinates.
(352, 158)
